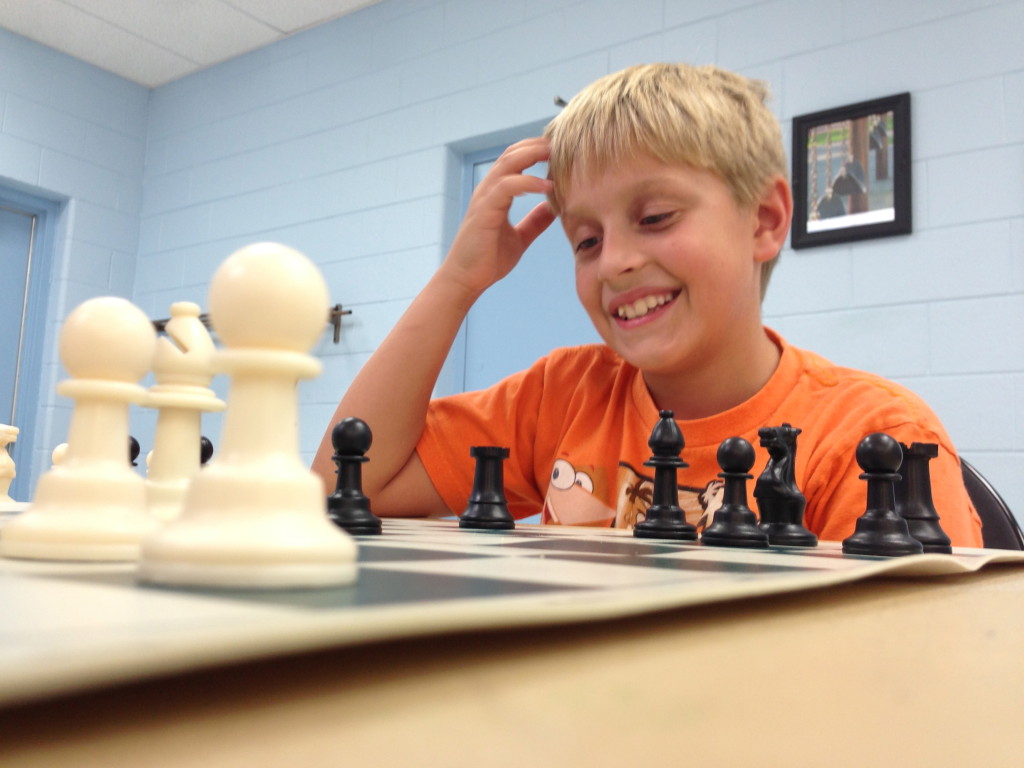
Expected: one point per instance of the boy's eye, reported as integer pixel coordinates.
(654, 218)
(587, 244)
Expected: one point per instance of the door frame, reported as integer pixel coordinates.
(28, 397)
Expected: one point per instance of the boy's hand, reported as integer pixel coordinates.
(487, 245)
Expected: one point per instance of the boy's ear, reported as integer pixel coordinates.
(774, 212)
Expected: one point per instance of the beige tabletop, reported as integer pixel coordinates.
(886, 672)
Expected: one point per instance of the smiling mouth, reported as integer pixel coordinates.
(644, 306)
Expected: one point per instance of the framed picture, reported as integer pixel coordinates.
(851, 172)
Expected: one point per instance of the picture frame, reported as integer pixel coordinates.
(851, 173)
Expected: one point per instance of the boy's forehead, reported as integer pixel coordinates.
(629, 180)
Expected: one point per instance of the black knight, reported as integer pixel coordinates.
(780, 502)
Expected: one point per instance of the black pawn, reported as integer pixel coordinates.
(348, 507)
(134, 449)
(205, 450)
(914, 498)
(665, 518)
(487, 508)
(880, 530)
(735, 524)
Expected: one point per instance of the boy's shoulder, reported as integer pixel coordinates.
(818, 369)
(854, 390)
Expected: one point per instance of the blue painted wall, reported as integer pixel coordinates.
(77, 135)
(345, 141)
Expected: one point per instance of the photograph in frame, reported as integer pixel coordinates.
(851, 172)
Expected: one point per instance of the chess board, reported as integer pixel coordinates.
(71, 626)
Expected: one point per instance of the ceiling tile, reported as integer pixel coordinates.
(199, 30)
(294, 15)
(155, 41)
(90, 39)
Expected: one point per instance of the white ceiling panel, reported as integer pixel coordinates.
(82, 35)
(152, 42)
(198, 30)
(292, 15)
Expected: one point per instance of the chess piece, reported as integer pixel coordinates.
(780, 503)
(8, 434)
(665, 518)
(58, 454)
(183, 368)
(254, 516)
(92, 506)
(487, 508)
(880, 530)
(205, 450)
(735, 524)
(914, 498)
(134, 449)
(348, 506)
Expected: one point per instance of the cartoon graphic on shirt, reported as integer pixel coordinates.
(636, 489)
(580, 495)
(575, 495)
(710, 500)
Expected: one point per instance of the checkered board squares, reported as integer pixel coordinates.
(588, 561)
(70, 626)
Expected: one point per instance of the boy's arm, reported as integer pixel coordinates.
(392, 391)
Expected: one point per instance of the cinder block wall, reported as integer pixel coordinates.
(345, 142)
(77, 135)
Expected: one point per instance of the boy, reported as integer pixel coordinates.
(670, 183)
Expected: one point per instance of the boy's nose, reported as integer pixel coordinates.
(618, 255)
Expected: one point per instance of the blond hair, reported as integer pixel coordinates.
(705, 117)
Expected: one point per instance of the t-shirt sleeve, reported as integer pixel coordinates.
(503, 415)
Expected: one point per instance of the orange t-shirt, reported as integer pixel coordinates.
(577, 424)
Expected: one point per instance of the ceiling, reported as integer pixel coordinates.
(152, 42)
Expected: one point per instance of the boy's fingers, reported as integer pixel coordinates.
(531, 150)
(517, 158)
(524, 184)
(535, 222)
(505, 189)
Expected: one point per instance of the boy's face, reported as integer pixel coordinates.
(667, 264)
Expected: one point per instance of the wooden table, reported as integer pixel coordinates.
(901, 672)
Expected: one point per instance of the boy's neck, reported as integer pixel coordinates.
(716, 389)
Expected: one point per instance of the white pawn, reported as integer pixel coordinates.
(92, 506)
(57, 454)
(183, 368)
(255, 516)
(8, 434)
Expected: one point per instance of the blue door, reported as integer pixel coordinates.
(16, 234)
(27, 235)
(17, 229)
(529, 313)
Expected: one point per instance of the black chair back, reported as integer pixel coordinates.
(999, 528)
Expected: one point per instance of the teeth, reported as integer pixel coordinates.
(641, 307)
